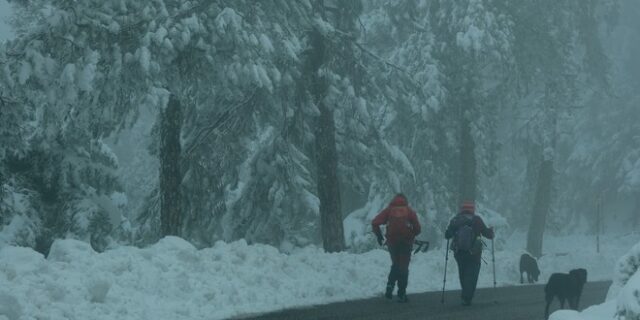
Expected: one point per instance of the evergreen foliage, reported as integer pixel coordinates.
(303, 115)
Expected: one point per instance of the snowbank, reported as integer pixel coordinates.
(623, 299)
(603, 311)
(174, 280)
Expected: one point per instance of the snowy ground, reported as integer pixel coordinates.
(173, 280)
(623, 299)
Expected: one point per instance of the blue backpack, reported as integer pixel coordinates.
(464, 238)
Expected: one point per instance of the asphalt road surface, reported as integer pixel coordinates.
(507, 303)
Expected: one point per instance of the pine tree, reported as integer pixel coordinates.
(325, 150)
(170, 175)
(547, 66)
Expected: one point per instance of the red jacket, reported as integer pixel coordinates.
(402, 222)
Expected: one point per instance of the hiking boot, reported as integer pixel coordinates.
(466, 302)
(389, 293)
(403, 298)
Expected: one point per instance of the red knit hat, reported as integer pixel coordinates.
(468, 206)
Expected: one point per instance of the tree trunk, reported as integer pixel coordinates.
(326, 155)
(327, 180)
(544, 183)
(3, 214)
(170, 151)
(541, 206)
(636, 212)
(463, 101)
(468, 179)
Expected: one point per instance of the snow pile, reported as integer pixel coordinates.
(493, 219)
(626, 286)
(357, 225)
(174, 280)
(603, 311)
(623, 299)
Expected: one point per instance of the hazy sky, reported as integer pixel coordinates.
(5, 12)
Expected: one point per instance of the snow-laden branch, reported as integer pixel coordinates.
(205, 132)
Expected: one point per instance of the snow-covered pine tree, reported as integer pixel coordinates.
(60, 78)
(17, 217)
(459, 54)
(605, 146)
(413, 122)
(473, 46)
(257, 182)
(548, 77)
(281, 147)
(370, 167)
(135, 54)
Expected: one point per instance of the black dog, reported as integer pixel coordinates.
(529, 265)
(565, 287)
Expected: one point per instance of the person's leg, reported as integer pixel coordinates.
(391, 281)
(403, 260)
(393, 273)
(403, 276)
(474, 272)
(460, 260)
(469, 277)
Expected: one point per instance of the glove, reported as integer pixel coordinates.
(380, 239)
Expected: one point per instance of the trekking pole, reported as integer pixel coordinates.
(444, 282)
(493, 257)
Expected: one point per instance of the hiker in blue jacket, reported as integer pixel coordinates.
(465, 229)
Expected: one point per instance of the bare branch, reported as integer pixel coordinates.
(385, 62)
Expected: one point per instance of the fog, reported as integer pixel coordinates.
(293, 125)
(5, 14)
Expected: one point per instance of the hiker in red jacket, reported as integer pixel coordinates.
(402, 227)
(466, 228)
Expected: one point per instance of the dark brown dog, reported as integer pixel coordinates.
(529, 265)
(565, 287)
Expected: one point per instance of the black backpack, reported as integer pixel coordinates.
(464, 238)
